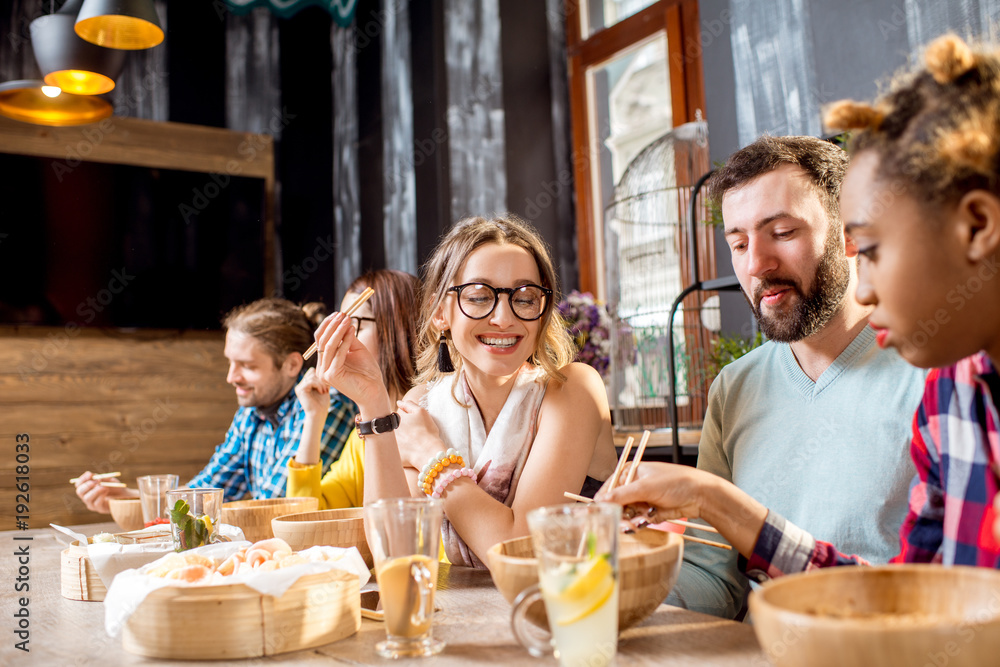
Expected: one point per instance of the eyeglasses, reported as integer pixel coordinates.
(356, 321)
(478, 300)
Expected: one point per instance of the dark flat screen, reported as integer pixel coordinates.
(122, 246)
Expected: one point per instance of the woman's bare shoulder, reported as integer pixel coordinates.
(582, 381)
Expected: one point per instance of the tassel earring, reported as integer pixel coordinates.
(444, 356)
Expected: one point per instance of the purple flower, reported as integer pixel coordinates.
(589, 326)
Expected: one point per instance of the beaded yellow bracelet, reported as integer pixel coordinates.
(435, 465)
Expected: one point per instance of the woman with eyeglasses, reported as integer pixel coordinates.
(500, 421)
(386, 325)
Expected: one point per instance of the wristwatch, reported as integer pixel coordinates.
(376, 426)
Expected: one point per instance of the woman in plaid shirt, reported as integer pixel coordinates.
(921, 200)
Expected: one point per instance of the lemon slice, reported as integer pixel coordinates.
(587, 593)
(598, 572)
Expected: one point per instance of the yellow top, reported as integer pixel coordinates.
(342, 486)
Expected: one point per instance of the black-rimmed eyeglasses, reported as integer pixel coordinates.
(356, 321)
(478, 300)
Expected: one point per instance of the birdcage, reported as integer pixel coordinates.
(648, 241)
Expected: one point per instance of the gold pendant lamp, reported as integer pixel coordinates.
(31, 101)
(120, 24)
(74, 65)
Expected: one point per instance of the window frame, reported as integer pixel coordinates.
(679, 20)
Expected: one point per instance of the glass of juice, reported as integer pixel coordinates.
(577, 551)
(153, 497)
(404, 535)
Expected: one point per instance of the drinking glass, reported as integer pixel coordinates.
(194, 516)
(404, 535)
(153, 497)
(577, 551)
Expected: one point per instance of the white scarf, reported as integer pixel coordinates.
(498, 458)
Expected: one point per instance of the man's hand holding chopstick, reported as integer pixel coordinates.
(95, 493)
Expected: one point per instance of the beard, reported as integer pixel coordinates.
(808, 313)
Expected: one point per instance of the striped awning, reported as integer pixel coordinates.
(342, 11)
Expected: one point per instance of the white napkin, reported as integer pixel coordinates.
(111, 558)
(77, 537)
(131, 587)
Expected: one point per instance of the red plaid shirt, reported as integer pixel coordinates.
(956, 442)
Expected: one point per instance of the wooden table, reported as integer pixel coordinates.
(474, 621)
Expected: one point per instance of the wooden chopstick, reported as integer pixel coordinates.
(103, 475)
(638, 457)
(367, 294)
(690, 524)
(710, 543)
(113, 485)
(621, 462)
(676, 522)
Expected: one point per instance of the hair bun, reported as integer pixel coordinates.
(948, 58)
(851, 115)
(315, 311)
(970, 146)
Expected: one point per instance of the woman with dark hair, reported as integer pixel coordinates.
(386, 325)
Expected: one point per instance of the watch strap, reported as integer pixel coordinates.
(377, 426)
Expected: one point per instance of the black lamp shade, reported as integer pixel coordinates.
(120, 24)
(69, 62)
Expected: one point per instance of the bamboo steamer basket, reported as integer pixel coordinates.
(78, 578)
(127, 513)
(888, 616)
(254, 516)
(231, 622)
(336, 528)
(648, 564)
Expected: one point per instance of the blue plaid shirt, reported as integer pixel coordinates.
(254, 457)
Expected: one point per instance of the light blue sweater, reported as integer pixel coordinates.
(831, 456)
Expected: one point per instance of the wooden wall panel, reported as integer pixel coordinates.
(137, 402)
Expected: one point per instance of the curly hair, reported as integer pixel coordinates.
(937, 131)
(824, 163)
(553, 349)
(281, 326)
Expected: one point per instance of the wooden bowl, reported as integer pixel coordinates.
(254, 516)
(887, 616)
(127, 513)
(334, 528)
(648, 563)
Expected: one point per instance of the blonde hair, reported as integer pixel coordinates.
(280, 326)
(553, 348)
(937, 131)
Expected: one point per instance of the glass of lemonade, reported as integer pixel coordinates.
(404, 535)
(577, 550)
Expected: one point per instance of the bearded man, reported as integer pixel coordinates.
(815, 423)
